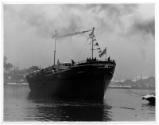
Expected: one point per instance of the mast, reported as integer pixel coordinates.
(92, 46)
(92, 36)
(55, 36)
(55, 52)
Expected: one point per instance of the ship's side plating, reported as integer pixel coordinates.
(85, 81)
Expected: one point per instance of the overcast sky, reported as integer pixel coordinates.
(127, 30)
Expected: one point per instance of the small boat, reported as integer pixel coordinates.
(150, 98)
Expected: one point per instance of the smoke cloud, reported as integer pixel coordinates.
(71, 18)
(144, 27)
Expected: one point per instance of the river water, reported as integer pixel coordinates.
(119, 105)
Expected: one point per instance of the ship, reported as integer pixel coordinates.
(85, 80)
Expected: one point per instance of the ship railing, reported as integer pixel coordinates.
(97, 61)
(82, 61)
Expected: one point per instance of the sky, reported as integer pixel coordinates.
(127, 30)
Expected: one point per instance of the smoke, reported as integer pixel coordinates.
(113, 9)
(45, 19)
(144, 27)
(142, 34)
(71, 18)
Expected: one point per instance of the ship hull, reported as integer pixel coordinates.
(81, 82)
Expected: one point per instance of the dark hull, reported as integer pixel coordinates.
(88, 82)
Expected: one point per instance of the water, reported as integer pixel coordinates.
(119, 105)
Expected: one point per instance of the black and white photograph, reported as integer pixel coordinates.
(79, 62)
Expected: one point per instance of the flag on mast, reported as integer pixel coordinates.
(96, 44)
(103, 52)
